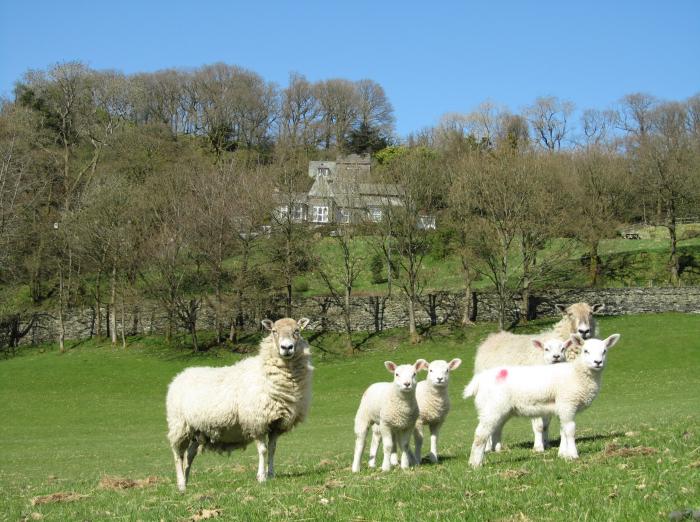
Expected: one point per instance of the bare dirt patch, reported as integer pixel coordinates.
(108, 482)
(57, 497)
(614, 450)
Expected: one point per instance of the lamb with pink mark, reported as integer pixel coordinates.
(538, 391)
(392, 406)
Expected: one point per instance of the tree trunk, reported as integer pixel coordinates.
(61, 321)
(98, 304)
(348, 324)
(674, 262)
(123, 314)
(467, 306)
(594, 266)
(113, 304)
(412, 331)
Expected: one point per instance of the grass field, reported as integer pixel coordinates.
(73, 422)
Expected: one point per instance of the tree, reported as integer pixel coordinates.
(549, 117)
(421, 193)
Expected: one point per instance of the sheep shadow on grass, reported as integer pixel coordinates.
(554, 443)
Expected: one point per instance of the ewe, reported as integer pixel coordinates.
(433, 404)
(393, 407)
(507, 349)
(256, 399)
(538, 391)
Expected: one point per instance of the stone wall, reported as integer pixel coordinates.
(375, 313)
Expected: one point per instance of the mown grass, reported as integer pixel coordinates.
(70, 420)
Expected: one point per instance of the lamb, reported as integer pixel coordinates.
(508, 349)
(392, 406)
(257, 399)
(538, 391)
(433, 405)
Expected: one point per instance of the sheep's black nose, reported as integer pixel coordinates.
(555, 357)
(583, 332)
(598, 363)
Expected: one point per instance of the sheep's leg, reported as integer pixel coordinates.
(418, 437)
(262, 454)
(545, 431)
(271, 447)
(567, 448)
(407, 458)
(190, 455)
(394, 453)
(179, 468)
(360, 434)
(538, 428)
(485, 430)
(496, 439)
(434, 434)
(388, 446)
(374, 446)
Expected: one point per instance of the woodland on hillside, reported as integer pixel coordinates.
(164, 186)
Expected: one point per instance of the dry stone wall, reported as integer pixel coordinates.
(376, 313)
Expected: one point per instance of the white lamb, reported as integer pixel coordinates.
(256, 399)
(433, 404)
(508, 349)
(538, 391)
(392, 406)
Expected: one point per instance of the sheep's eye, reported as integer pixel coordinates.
(414, 374)
(604, 352)
(396, 374)
(585, 351)
(431, 371)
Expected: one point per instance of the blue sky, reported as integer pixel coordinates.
(430, 57)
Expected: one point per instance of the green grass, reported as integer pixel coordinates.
(71, 419)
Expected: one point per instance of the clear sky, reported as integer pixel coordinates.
(431, 57)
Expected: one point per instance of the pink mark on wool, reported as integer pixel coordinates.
(502, 375)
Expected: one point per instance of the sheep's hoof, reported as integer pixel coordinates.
(262, 478)
(433, 458)
(538, 449)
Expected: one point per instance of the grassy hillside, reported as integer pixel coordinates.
(72, 421)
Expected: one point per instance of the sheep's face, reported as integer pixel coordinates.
(405, 374)
(553, 350)
(286, 334)
(580, 316)
(594, 351)
(439, 371)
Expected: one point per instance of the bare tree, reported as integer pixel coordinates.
(549, 117)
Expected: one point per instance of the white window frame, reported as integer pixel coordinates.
(323, 171)
(320, 214)
(426, 222)
(376, 214)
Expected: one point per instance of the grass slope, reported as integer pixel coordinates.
(70, 420)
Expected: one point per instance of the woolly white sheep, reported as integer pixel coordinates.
(256, 399)
(433, 404)
(508, 349)
(392, 406)
(538, 391)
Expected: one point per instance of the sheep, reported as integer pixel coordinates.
(256, 399)
(508, 349)
(393, 408)
(433, 404)
(538, 391)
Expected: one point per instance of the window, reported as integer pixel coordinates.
(323, 171)
(375, 214)
(320, 215)
(282, 211)
(344, 215)
(426, 222)
(298, 214)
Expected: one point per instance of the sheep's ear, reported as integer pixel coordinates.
(301, 323)
(538, 344)
(267, 324)
(454, 364)
(421, 364)
(597, 308)
(576, 339)
(561, 308)
(391, 366)
(567, 343)
(612, 340)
